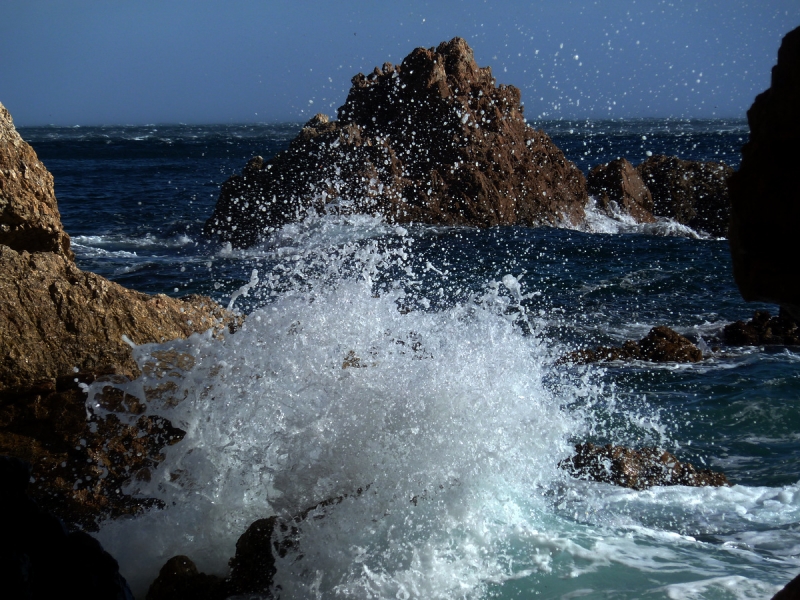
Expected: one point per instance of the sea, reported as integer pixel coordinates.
(411, 375)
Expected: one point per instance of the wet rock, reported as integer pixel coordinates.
(765, 191)
(791, 591)
(39, 558)
(59, 324)
(179, 579)
(662, 344)
(636, 469)
(29, 217)
(431, 140)
(619, 189)
(763, 330)
(691, 192)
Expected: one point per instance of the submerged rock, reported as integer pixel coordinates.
(662, 344)
(763, 330)
(693, 193)
(765, 191)
(619, 188)
(29, 217)
(637, 469)
(431, 140)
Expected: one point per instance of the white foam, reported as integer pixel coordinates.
(598, 221)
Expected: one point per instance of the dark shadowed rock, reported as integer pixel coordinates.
(791, 590)
(29, 217)
(179, 579)
(763, 330)
(662, 344)
(619, 188)
(693, 193)
(636, 469)
(39, 558)
(765, 192)
(431, 140)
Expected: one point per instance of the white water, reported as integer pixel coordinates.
(451, 422)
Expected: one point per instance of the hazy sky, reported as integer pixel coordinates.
(201, 61)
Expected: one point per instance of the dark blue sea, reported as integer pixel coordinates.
(420, 364)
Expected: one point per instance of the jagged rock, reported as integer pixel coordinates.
(763, 329)
(55, 318)
(59, 324)
(430, 140)
(765, 192)
(636, 469)
(39, 558)
(693, 193)
(29, 217)
(620, 183)
(662, 344)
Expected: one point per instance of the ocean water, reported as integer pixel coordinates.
(412, 372)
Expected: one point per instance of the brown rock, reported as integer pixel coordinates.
(55, 317)
(431, 140)
(636, 469)
(765, 192)
(763, 330)
(29, 217)
(618, 182)
(693, 193)
(662, 344)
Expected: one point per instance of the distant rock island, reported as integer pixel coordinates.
(431, 140)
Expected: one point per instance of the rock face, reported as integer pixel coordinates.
(637, 469)
(29, 217)
(763, 330)
(60, 326)
(693, 193)
(430, 140)
(620, 183)
(662, 344)
(39, 558)
(765, 192)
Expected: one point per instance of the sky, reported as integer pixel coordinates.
(94, 62)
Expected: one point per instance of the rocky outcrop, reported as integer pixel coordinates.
(39, 559)
(662, 344)
(29, 217)
(765, 191)
(763, 330)
(619, 189)
(431, 140)
(55, 318)
(61, 327)
(693, 193)
(637, 469)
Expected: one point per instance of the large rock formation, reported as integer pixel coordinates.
(60, 327)
(693, 193)
(430, 140)
(29, 217)
(765, 192)
(619, 188)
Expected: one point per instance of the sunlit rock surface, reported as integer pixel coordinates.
(431, 140)
(29, 217)
(693, 193)
(765, 192)
(60, 327)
